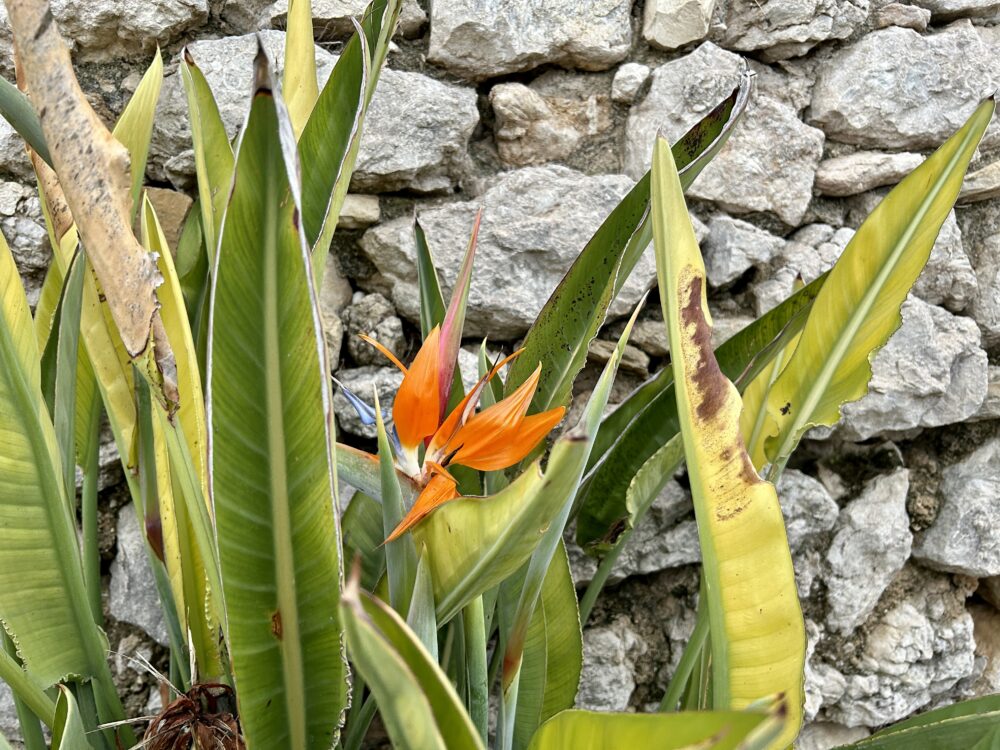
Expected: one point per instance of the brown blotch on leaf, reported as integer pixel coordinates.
(712, 385)
(276, 630)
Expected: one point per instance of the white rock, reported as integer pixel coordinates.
(133, 594)
(932, 372)
(24, 229)
(332, 18)
(824, 735)
(628, 81)
(897, 89)
(871, 542)
(807, 254)
(823, 684)
(863, 170)
(485, 38)
(10, 727)
(901, 14)
(361, 381)
(359, 211)
(748, 174)
(783, 29)
(965, 536)
(806, 505)
(528, 130)
(943, 10)
(981, 185)
(948, 279)
(519, 258)
(669, 24)
(734, 246)
(13, 157)
(609, 656)
(991, 406)
(980, 226)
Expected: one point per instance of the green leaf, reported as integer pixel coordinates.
(299, 84)
(16, 109)
(647, 420)
(973, 724)
(757, 631)
(134, 128)
(66, 369)
(272, 474)
(68, 731)
(420, 617)
(362, 525)
(431, 299)
(419, 706)
(703, 730)
(362, 470)
(563, 330)
(553, 653)
(858, 310)
(23, 687)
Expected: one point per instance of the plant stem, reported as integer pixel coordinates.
(691, 655)
(475, 665)
(24, 690)
(358, 727)
(88, 513)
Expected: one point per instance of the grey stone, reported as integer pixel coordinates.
(628, 81)
(871, 542)
(332, 18)
(807, 254)
(633, 359)
(981, 185)
(948, 279)
(943, 10)
(965, 536)
(122, 28)
(734, 246)
(333, 334)
(825, 735)
(991, 405)
(651, 336)
(373, 316)
(863, 170)
(932, 372)
(609, 654)
(806, 505)
(133, 594)
(917, 650)
(669, 24)
(362, 381)
(519, 259)
(485, 38)
(10, 727)
(897, 89)
(823, 683)
(528, 130)
(903, 15)
(980, 226)
(782, 29)
(748, 174)
(24, 229)
(789, 81)
(415, 134)
(13, 157)
(986, 630)
(359, 211)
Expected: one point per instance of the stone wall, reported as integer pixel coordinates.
(543, 113)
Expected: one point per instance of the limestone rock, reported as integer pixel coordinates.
(965, 536)
(24, 229)
(374, 316)
(914, 652)
(944, 10)
(863, 170)
(486, 38)
(520, 259)
(362, 381)
(871, 542)
(981, 185)
(332, 18)
(824, 735)
(133, 594)
(122, 28)
(14, 160)
(669, 24)
(633, 359)
(609, 655)
(823, 683)
(10, 727)
(748, 174)
(806, 505)
(980, 226)
(359, 211)
(528, 130)
(986, 629)
(901, 14)
(782, 29)
(991, 405)
(415, 133)
(897, 89)
(651, 336)
(734, 246)
(948, 279)
(932, 372)
(628, 81)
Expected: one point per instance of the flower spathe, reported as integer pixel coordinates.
(488, 440)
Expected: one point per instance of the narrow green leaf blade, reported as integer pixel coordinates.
(431, 299)
(17, 110)
(300, 85)
(68, 731)
(134, 128)
(973, 724)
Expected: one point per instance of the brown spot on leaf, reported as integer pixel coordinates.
(276, 624)
(786, 408)
(712, 385)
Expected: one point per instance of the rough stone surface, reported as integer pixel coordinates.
(519, 259)
(943, 10)
(528, 130)
(374, 316)
(609, 654)
(807, 254)
(332, 18)
(10, 727)
(981, 185)
(628, 81)
(24, 229)
(748, 175)
(897, 89)
(915, 651)
(980, 226)
(863, 170)
(948, 279)
(784, 29)
(931, 372)
(362, 381)
(14, 160)
(134, 598)
(477, 39)
(901, 14)
(965, 536)
(870, 544)
(734, 246)
(824, 735)
(806, 505)
(669, 24)
(359, 211)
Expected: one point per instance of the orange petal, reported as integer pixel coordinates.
(416, 409)
(507, 449)
(438, 491)
(378, 345)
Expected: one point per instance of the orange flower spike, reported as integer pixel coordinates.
(507, 451)
(416, 410)
(438, 491)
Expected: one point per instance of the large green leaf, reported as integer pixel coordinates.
(270, 431)
(363, 536)
(68, 731)
(419, 706)
(564, 328)
(757, 631)
(973, 724)
(858, 309)
(692, 730)
(134, 128)
(299, 83)
(632, 434)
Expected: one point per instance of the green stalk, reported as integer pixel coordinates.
(85, 700)
(508, 712)
(685, 667)
(88, 512)
(475, 665)
(29, 701)
(358, 727)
